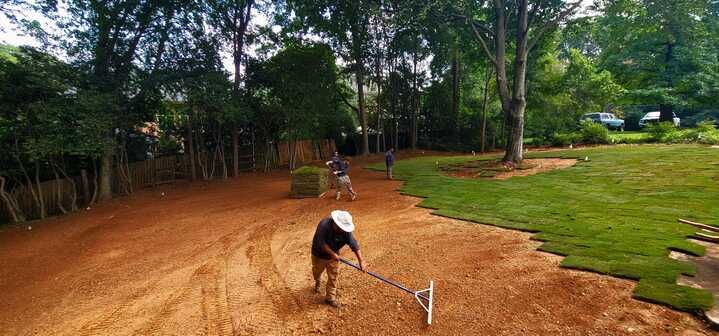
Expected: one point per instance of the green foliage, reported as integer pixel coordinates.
(665, 53)
(297, 94)
(42, 112)
(561, 94)
(614, 214)
(594, 133)
(565, 139)
(662, 132)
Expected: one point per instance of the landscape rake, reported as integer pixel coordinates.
(425, 297)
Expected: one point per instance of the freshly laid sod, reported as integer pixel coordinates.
(615, 213)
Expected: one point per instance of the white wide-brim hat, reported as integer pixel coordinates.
(343, 219)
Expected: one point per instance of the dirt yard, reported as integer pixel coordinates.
(232, 258)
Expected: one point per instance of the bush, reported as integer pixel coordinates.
(565, 139)
(707, 133)
(594, 133)
(663, 131)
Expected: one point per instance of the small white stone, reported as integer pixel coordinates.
(29, 228)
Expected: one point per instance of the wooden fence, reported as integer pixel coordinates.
(167, 169)
(50, 197)
(306, 151)
(149, 173)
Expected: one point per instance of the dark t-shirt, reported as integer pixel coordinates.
(340, 166)
(324, 234)
(389, 159)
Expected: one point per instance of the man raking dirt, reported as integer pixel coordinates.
(331, 235)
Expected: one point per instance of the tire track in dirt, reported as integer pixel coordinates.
(273, 309)
(215, 307)
(209, 285)
(205, 289)
(256, 313)
(106, 323)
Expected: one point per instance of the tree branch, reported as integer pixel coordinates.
(482, 41)
(552, 24)
(344, 100)
(533, 14)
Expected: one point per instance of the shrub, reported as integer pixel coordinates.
(707, 133)
(594, 133)
(661, 132)
(564, 139)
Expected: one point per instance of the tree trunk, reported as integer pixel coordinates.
(190, 150)
(235, 151)
(105, 192)
(515, 136)
(515, 112)
(362, 111)
(95, 181)
(483, 135)
(58, 189)
(73, 185)
(11, 203)
(380, 128)
(85, 186)
(455, 86)
(415, 108)
(666, 113)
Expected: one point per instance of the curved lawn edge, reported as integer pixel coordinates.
(624, 255)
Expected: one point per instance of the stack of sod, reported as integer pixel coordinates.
(309, 182)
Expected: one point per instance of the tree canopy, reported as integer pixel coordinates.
(216, 77)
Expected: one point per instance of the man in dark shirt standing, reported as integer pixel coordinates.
(389, 162)
(331, 235)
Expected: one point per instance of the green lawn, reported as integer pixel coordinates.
(629, 136)
(614, 214)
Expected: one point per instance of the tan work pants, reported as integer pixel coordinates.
(319, 265)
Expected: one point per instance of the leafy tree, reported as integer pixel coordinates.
(108, 39)
(296, 94)
(667, 55)
(45, 120)
(521, 26)
(231, 19)
(346, 24)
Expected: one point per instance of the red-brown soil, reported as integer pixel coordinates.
(232, 258)
(529, 167)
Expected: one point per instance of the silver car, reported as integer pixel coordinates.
(653, 117)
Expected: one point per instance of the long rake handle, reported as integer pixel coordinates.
(385, 280)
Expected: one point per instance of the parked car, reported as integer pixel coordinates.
(653, 117)
(607, 119)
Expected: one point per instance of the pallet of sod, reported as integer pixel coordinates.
(309, 182)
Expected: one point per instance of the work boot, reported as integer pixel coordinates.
(333, 302)
(317, 286)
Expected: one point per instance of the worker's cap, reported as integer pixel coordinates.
(343, 220)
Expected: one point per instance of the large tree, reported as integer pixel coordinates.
(109, 39)
(346, 24)
(232, 19)
(668, 52)
(500, 25)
